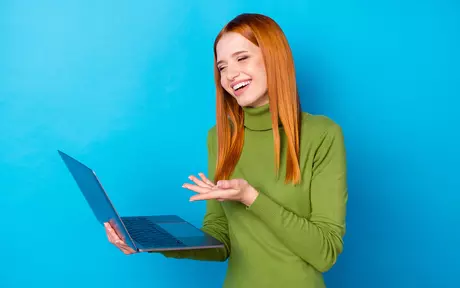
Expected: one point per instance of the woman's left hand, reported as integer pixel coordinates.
(233, 190)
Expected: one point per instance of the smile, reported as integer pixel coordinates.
(241, 85)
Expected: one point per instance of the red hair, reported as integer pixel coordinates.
(282, 92)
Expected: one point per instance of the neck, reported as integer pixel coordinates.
(260, 102)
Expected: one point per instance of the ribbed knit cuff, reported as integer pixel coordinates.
(264, 207)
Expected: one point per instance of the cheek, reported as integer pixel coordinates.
(223, 82)
(257, 70)
(259, 73)
(261, 68)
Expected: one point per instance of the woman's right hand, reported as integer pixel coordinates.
(115, 240)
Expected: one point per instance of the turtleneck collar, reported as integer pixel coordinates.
(258, 118)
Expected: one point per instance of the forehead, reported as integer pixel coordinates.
(233, 42)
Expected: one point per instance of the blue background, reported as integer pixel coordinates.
(127, 87)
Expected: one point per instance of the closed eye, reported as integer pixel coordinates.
(242, 58)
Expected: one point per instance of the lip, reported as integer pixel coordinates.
(239, 81)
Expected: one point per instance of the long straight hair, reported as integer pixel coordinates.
(282, 93)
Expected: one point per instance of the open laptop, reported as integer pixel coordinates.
(141, 233)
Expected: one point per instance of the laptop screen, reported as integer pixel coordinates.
(95, 195)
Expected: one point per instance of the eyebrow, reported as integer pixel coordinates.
(233, 55)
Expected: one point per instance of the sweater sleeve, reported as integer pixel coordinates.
(318, 238)
(214, 222)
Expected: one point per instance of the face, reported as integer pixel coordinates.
(242, 70)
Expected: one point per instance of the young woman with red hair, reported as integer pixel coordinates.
(276, 188)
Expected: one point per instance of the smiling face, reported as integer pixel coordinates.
(242, 70)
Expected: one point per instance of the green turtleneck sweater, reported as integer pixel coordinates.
(291, 233)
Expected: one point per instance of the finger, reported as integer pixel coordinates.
(108, 233)
(215, 194)
(115, 240)
(231, 184)
(196, 189)
(127, 252)
(206, 180)
(109, 237)
(113, 237)
(198, 182)
(225, 184)
(126, 249)
(111, 232)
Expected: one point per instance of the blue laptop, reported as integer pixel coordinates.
(141, 233)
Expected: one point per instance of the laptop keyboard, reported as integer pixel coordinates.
(149, 234)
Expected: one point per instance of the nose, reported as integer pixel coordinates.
(232, 73)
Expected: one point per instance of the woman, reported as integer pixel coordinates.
(278, 196)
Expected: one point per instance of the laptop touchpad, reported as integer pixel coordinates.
(181, 230)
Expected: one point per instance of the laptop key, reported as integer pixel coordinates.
(147, 233)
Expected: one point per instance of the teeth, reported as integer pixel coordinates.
(239, 85)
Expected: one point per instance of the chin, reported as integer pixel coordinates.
(248, 99)
(251, 102)
(245, 102)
